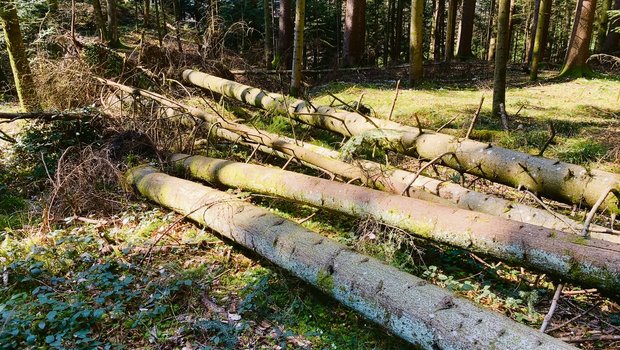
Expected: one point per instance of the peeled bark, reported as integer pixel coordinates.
(547, 177)
(406, 305)
(466, 30)
(502, 52)
(20, 66)
(549, 251)
(298, 51)
(578, 53)
(354, 32)
(450, 26)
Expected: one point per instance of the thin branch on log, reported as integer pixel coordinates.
(419, 172)
(592, 212)
(554, 305)
(447, 123)
(394, 101)
(474, 119)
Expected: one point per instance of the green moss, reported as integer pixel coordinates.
(325, 281)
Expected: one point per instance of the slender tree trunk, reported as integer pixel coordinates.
(146, 13)
(511, 24)
(52, 5)
(268, 33)
(501, 56)
(538, 48)
(22, 76)
(158, 24)
(298, 52)
(466, 30)
(436, 28)
(612, 42)
(354, 32)
(490, 40)
(450, 27)
(533, 31)
(416, 48)
(398, 31)
(99, 19)
(575, 64)
(544, 52)
(602, 26)
(177, 8)
(114, 40)
(285, 34)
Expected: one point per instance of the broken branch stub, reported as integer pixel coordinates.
(406, 305)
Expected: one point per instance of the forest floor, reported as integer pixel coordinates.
(144, 278)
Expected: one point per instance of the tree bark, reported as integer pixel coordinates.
(373, 174)
(398, 32)
(502, 53)
(394, 299)
(146, 13)
(298, 52)
(538, 49)
(52, 5)
(547, 251)
(416, 48)
(114, 40)
(22, 76)
(285, 34)
(602, 25)
(612, 42)
(99, 19)
(354, 32)
(450, 29)
(437, 29)
(466, 30)
(268, 13)
(575, 64)
(490, 38)
(561, 181)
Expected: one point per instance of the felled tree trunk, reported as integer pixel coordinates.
(406, 305)
(376, 175)
(592, 263)
(561, 181)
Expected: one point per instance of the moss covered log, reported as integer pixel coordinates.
(421, 313)
(589, 262)
(550, 178)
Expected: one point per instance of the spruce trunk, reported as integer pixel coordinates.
(416, 48)
(406, 305)
(578, 52)
(564, 182)
(298, 48)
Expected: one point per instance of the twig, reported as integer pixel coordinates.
(547, 208)
(590, 338)
(420, 130)
(417, 174)
(474, 119)
(592, 212)
(301, 221)
(394, 101)
(554, 305)
(574, 318)
(577, 292)
(447, 123)
(549, 140)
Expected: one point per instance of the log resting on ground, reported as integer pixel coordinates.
(420, 313)
(373, 174)
(592, 263)
(550, 178)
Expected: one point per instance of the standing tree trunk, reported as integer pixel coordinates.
(101, 25)
(398, 32)
(538, 49)
(52, 5)
(612, 42)
(268, 33)
(298, 52)
(114, 40)
(501, 56)
(146, 13)
(450, 26)
(437, 28)
(158, 24)
(285, 34)
(602, 25)
(22, 76)
(354, 32)
(575, 64)
(533, 31)
(416, 48)
(466, 31)
(490, 38)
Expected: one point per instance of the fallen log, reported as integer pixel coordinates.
(550, 178)
(422, 314)
(593, 263)
(376, 175)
